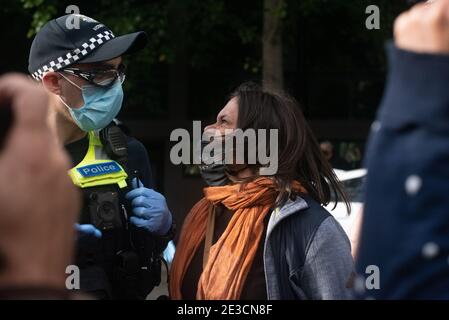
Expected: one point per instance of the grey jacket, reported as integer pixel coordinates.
(307, 254)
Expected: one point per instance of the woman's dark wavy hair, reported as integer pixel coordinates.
(299, 157)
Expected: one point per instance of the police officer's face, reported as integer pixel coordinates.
(73, 95)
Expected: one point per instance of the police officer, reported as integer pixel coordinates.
(124, 224)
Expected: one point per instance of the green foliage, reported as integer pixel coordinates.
(202, 23)
(221, 41)
(45, 12)
(205, 27)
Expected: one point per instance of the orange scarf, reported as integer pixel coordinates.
(231, 257)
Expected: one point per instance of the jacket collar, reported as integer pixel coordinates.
(288, 209)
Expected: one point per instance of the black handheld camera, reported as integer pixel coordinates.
(6, 119)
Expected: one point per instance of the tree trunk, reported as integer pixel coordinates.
(273, 75)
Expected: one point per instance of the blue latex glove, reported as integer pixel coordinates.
(169, 252)
(87, 230)
(149, 208)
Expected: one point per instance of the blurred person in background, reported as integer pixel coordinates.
(327, 148)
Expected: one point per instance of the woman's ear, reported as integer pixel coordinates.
(50, 82)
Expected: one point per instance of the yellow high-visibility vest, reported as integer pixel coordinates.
(97, 169)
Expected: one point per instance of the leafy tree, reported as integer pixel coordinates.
(200, 49)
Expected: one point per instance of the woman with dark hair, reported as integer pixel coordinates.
(265, 237)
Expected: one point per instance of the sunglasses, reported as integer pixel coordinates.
(99, 78)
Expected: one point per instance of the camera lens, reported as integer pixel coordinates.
(106, 211)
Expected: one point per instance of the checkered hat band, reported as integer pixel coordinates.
(74, 55)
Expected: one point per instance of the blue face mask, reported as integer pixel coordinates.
(101, 106)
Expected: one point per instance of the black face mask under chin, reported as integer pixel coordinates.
(214, 174)
(218, 174)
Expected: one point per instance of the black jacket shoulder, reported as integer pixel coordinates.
(301, 226)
